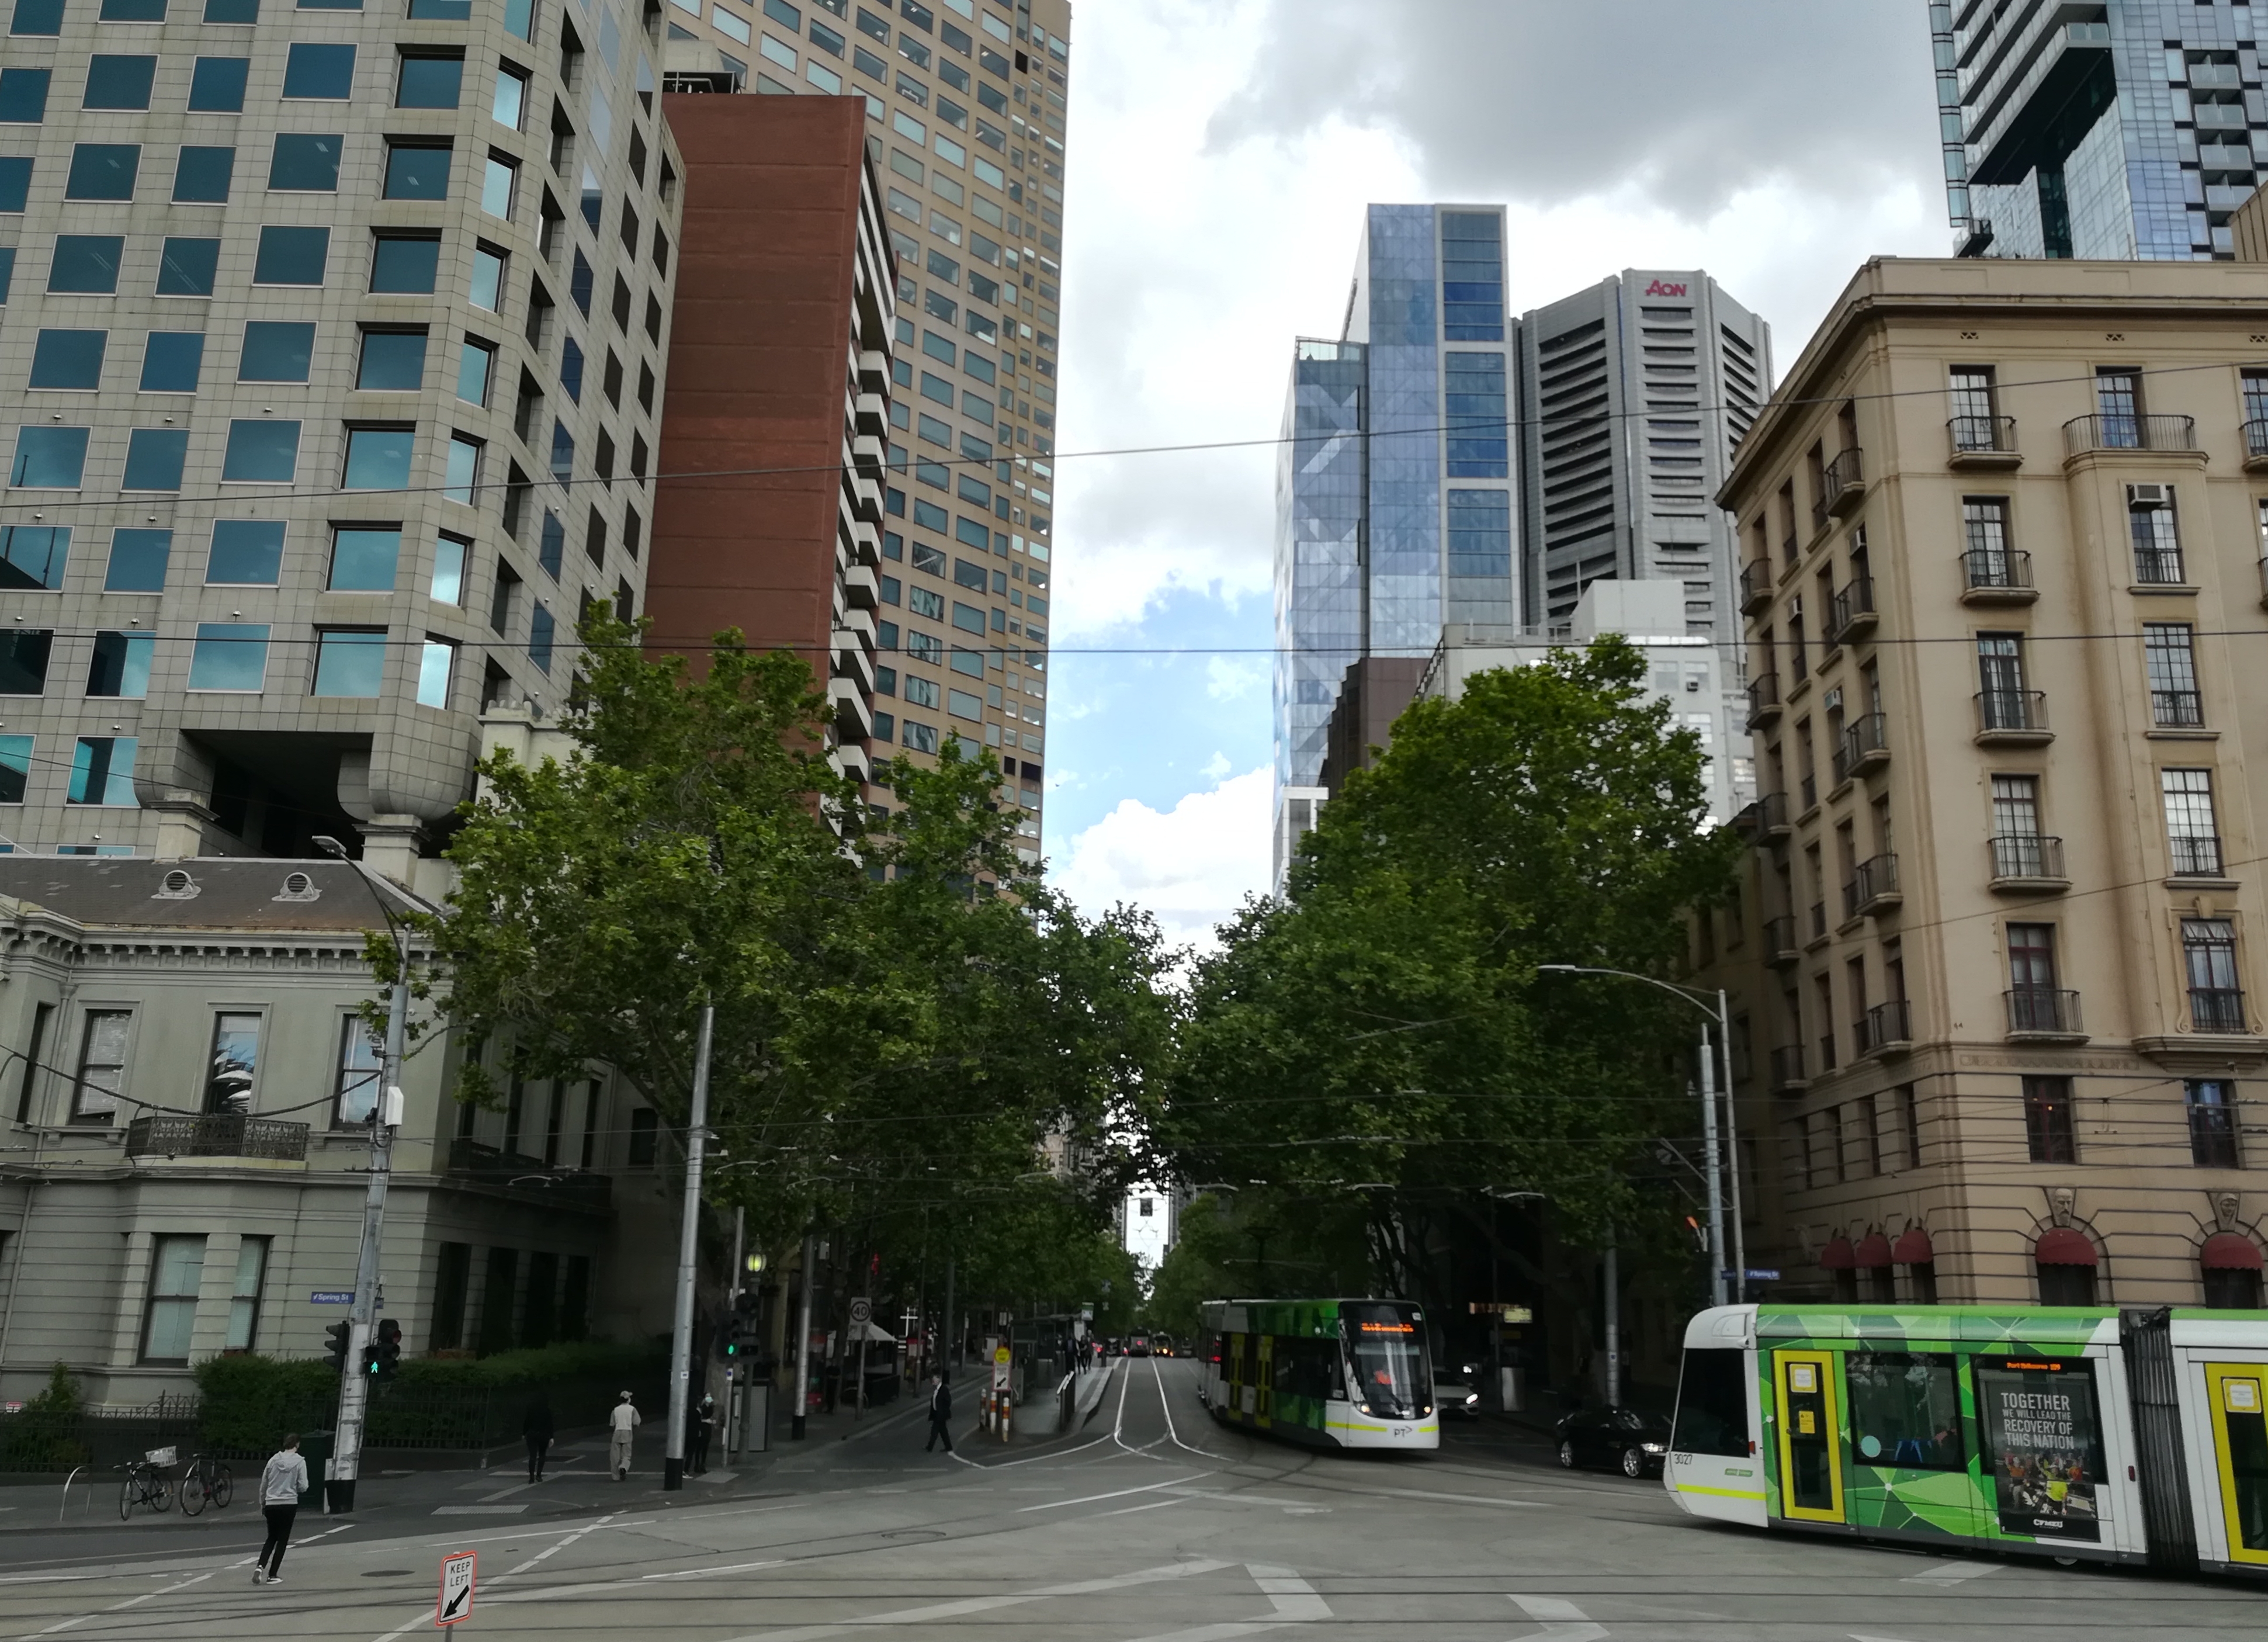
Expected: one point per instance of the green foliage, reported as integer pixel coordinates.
(61, 1396)
(1383, 1041)
(541, 1365)
(248, 1402)
(1258, 1244)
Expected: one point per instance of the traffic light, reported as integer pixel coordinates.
(335, 1353)
(726, 1331)
(385, 1354)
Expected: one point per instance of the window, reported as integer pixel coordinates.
(48, 459)
(1712, 1404)
(260, 453)
(462, 478)
(543, 627)
(244, 1299)
(551, 545)
(645, 1135)
(2192, 835)
(69, 359)
(404, 263)
(364, 558)
(571, 369)
(277, 352)
(1906, 1410)
(202, 176)
(169, 1318)
(436, 662)
(31, 556)
(2119, 405)
(499, 177)
(155, 458)
(118, 82)
(2000, 674)
(186, 267)
(582, 280)
(230, 656)
(37, 16)
(1472, 276)
(103, 170)
(563, 452)
(475, 370)
(2209, 953)
(919, 738)
(101, 1066)
(137, 561)
(23, 96)
(86, 265)
(15, 194)
(246, 553)
(429, 80)
(2050, 1130)
(2150, 523)
(391, 362)
(172, 362)
(487, 290)
(2211, 1103)
(217, 86)
(2175, 703)
(350, 662)
(233, 1063)
(321, 73)
(416, 171)
(448, 584)
(1479, 439)
(291, 256)
(378, 458)
(24, 654)
(304, 163)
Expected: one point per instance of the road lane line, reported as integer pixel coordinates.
(1427, 1493)
(1119, 1493)
(1561, 1619)
(1171, 1431)
(1951, 1573)
(424, 1614)
(710, 1573)
(984, 1604)
(1294, 1598)
(1155, 1505)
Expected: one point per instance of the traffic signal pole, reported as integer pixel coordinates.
(688, 1249)
(354, 1378)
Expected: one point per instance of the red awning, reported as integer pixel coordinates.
(1837, 1256)
(1873, 1253)
(2229, 1251)
(1912, 1248)
(2063, 1247)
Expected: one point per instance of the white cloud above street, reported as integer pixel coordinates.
(1191, 866)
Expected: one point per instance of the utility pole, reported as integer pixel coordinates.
(1614, 1325)
(1733, 1151)
(953, 1351)
(689, 1251)
(803, 1348)
(736, 1390)
(1716, 1172)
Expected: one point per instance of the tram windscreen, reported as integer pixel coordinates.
(1389, 1356)
(1712, 1403)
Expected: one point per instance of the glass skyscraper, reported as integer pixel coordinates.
(2116, 130)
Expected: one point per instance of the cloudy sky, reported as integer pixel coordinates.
(1222, 151)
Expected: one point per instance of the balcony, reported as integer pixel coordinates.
(1763, 700)
(2044, 1014)
(220, 1135)
(2177, 710)
(1787, 1075)
(1851, 612)
(1874, 886)
(2217, 1009)
(2027, 863)
(1809, 789)
(1983, 442)
(2013, 719)
(1755, 586)
(860, 587)
(1846, 484)
(1998, 576)
(2118, 432)
(2219, 117)
(2255, 447)
(1773, 821)
(2196, 857)
(2159, 567)
(1865, 747)
(1886, 1029)
(870, 414)
(566, 1188)
(2214, 75)
(1780, 948)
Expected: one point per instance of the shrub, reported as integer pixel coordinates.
(249, 1401)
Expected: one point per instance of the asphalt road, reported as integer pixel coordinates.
(1152, 1525)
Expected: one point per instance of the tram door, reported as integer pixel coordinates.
(2239, 1394)
(1810, 1444)
(1264, 1381)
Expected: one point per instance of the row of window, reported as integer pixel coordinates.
(388, 359)
(298, 162)
(424, 76)
(259, 451)
(44, 18)
(401, 263)
(225, 657)
(228, 1077)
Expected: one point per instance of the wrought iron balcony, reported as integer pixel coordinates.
(1983, 442)
(220, 1135)
(2216, 1009)
(1851, 612)
(1997, 576)
(2011, 718)
(2122, 432)
(2028, 860)
(1780, 948)
(2158, 567)
(1886, 1028)
(1874, 884)
(1865, 747)
(2177, 710)
(1788, 1074)
(1755, 586)
(1771, 816)
(2044, 1012)
(1763, 700)
(2196, 857)
(1846, 483)
(2256, 447)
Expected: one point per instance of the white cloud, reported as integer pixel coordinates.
(1228, 678)
(1217, 766)
(1190, 866)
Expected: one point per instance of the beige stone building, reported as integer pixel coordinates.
(1997, 958)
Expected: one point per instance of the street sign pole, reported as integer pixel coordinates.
(354, 1383)
(454, 1605)
(803, 1348)
(862, 1311)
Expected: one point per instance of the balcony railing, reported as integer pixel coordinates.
(2256, 446)
(2022, 857)
(1771, 814)
(1983, 441)
(222, 1135)
(2012, 716)
(1819, 920)
(1845, 482)
(1851, 612)
(2042, 1012)
(2158, 567)
(1764, 699)
(2120, 432)
(2216, 1009)
(1807, 790)
(1875, 884)
(1779, 941)
(1887, 1025)
(1864, 745)
(1755, 586)
(1787, 1074)
(515, 1172)
(1997, 576)
(2177, 710)
(2196, 857)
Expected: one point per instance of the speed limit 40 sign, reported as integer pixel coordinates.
(862, 1309)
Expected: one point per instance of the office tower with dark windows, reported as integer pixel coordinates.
(333, 364)
(1395, 498)
(966, 106)
(2116, 130)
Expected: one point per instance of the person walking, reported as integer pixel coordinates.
(281, 1484)
(700, 1421)
(623, 1420)
(536, 1426)
(940, 1415)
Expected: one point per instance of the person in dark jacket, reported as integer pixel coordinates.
(700, 1421)
(940, 1415)
(535, 1426)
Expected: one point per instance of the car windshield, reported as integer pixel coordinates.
(1390, 1370)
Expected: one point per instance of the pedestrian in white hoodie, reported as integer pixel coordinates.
(625, 1419)
(281, 1485)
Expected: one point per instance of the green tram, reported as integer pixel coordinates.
(2080, 1433)
(1334, 1374)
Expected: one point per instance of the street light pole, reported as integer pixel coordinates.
(1732, 1149)
(689, 1250)
(803, 1347)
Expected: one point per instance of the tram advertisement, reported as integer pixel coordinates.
(2043, 1442)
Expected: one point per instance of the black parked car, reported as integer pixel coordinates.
(1621, 1437)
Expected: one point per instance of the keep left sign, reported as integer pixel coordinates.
(456, 1599)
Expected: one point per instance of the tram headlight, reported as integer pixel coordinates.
(1654, 1447)
(1362, 1408)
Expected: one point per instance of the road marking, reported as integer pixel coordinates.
(727, 1476)
(478, 1511)
(1155, 1505)
(505, 1493)
(424, 1614)
(1171, 1430)
(1952, 1573)
(1294, 1598)
(1561, 1619)
(1462, 1500)
(710, 1573)
(981, 1604)
(1120, 1493)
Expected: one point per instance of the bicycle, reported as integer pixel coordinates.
(146, 1483)
(205, 1482)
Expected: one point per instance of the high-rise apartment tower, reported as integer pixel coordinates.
(966, 112)
(2116, 130)
(333, 352)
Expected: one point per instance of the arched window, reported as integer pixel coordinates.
(1839, 1261)
(1872, 1257)
(2066, 1261)
(1914, 1252)
(2231, 1265)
